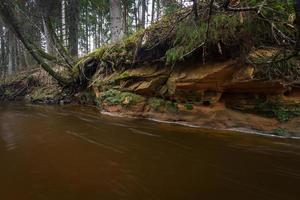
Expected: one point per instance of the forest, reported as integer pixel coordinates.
(61, 31)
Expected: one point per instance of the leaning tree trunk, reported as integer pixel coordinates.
(49, 43)
(57, 44)
(8, 17)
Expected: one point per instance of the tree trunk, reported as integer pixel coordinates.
(117, 31)
(297, 10)
(11, 59)
(2, 62)
(54, 41)
(157, 9)
(63, 22)
(16, 56)
(73, 27)
(195, 8)
(96, 31)
(100, 29)
(125, 19)
(26, 59)
(7, 14)
(153, 11)
(136, 15)
(87, 33)
(47, 34)
(143, 15)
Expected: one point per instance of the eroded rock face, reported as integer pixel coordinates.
(206, 95)
(150, 87)
(199, 83)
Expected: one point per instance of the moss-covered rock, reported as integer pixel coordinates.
(49, 95)
(116, 97)
(161, 105)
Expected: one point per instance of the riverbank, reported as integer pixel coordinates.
(265, 112)
(237, 77)
(205, 96)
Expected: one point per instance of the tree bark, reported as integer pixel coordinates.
(87, 32)
(117, 31)
(226, 3)
(297, 21)
(136, 16)
(56, 43)
(143, 14)
(153, 11)
(3, 44)
(63, 22)
(73, 27)
(157, 9)
(49, 43)
(125, 19)
(11, 60)
(195, 8)
(100, 29)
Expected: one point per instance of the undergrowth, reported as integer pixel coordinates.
(178, 36)
(115, 97)
(162, 105)
(191, 35)
(273, 66)
(279, 132)
(281, 112)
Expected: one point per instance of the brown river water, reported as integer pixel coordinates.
(75, 153)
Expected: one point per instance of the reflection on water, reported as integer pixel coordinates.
(73, 152)
(8, 137)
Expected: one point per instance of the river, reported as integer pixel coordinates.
(75, 153)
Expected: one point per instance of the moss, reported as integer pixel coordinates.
(44, 93)
(8, 92)
(281, 112)
(122, 76)
(116, 97)
(171, 106)
(188, 106)
(279, 132)
(88, 97)
(113, 57)
(32, 80)
(76, 69)
(156, 103)
(162, 105)
(284, 113)
(131, 41)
